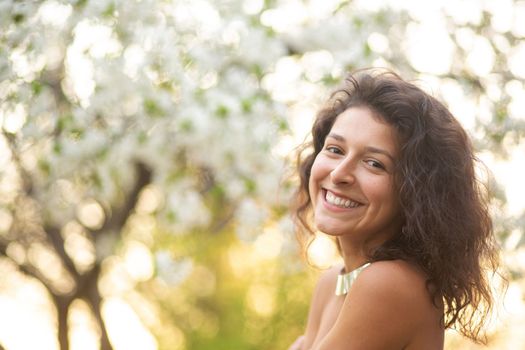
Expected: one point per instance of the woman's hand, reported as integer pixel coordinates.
(297, 344)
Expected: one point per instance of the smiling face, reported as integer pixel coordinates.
(352, 179)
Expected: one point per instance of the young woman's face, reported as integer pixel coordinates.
(352, 179)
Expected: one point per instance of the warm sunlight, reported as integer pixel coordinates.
(25, 307)
(125, 327)
(322, 251)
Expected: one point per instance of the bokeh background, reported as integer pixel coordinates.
(147, 147)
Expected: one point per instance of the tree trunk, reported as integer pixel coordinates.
(95, 303)
(94, 300)
(62, 305)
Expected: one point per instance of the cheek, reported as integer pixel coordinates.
(383, 192)
(315, 176)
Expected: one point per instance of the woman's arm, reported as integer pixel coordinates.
(326, 284)
(297, 344)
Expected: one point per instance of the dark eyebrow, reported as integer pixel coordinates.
(336, 136)
(367, 149)
(380, 151)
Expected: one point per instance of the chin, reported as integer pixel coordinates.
(330, 229)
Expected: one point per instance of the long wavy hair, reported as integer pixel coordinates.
(447, 230)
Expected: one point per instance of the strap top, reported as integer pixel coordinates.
(345, 280)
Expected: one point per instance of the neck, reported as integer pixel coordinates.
(353, 256)
(355, 250)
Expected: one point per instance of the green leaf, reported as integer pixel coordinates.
(57, 148)
(110, 10)
(250, 185)
(152, 109)
(222, 112)
(44, 166)
(36, 86)
(18, 17)
(246, 105)
(186, 126)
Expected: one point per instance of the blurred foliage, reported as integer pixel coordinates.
(233, 299)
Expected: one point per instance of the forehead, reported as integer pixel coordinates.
(360, 125)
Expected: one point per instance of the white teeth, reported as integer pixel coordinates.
(340, 202)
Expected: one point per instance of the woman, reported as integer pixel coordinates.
(392, 177)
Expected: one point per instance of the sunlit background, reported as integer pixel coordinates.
(147, 147)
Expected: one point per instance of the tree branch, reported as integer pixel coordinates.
(27, 181)
(26, 269)
(116, 221)
(57, 241)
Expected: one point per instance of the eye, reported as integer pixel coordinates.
(333, 149)
(375, 164)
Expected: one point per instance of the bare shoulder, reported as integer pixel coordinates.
(387, 273)
(388, 307)
(326, 284)
(396, 276)
(394, 285)
(328, 278)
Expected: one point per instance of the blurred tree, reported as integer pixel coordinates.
(163, 122)
(102, 101)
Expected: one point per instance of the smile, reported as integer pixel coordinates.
(340, 202)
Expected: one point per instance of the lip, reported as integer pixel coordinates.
(336, 208)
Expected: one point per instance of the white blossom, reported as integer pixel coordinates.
(188, 88)
(250, 219)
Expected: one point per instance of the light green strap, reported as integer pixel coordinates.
(345, 281)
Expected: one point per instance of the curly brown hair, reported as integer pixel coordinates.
(447, 229)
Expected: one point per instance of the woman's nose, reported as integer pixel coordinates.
(343, 173)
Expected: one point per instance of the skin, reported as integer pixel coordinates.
(388, 306)
(357, 163)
